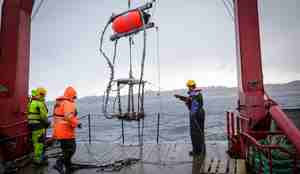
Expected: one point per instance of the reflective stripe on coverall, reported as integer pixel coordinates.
(38, 118)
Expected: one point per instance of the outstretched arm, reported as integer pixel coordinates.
(180, 97)
(186, 100)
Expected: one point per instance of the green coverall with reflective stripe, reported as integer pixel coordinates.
(37, 117)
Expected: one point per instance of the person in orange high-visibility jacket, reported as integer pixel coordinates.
(64, 124)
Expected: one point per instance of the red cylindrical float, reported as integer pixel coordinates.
(129, 21)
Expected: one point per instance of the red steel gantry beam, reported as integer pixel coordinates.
(252, 103)
(14, 70)
(249, 66)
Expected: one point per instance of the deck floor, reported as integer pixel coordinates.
(155, 158)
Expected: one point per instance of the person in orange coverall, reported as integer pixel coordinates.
(64, 125)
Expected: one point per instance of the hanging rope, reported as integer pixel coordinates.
(130, 106)
(142, 64)
(141, 97)
(229, 8)
(158, 68)
(37, 10)
(111, 66)
(230, 2)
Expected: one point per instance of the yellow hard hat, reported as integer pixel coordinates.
(41, 91)
(190, 83)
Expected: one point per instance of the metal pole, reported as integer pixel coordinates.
(119, 99)
(130, 93)
(89, 123)
(139, 131)
(142, 112)
(157, 131)
(132, 100)
(142, 133)
(123, 132)
(228, 130)
(129, 98)
(142, 99)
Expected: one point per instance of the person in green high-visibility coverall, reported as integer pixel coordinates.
(38, 123)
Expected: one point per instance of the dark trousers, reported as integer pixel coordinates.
(197, 131)
(68, 147)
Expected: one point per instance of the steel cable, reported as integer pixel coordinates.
(37, 10)
(111, 66)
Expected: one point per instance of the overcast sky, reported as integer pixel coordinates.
(196, 41)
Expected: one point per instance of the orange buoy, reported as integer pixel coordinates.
(129, 21)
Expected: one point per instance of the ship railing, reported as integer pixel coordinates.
(266, 151)
(243, 143)
(88, 131)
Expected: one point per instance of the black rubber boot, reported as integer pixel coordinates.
(69, 171)
(191, 153)
(59, 166)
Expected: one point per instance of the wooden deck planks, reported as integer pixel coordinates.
(151, 153)
(223, 158)
(231, 166)
(214, 165)
(106, 156)
(133, 151)
(182, 152)
(155, 158)
(241, 166)
(167, 150)
(206, 165)
(223, 166)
